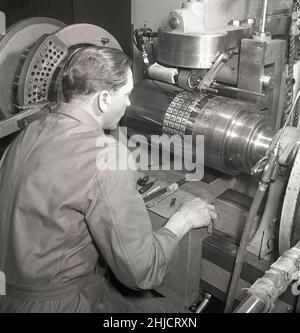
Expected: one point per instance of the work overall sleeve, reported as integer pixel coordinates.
(121, 228)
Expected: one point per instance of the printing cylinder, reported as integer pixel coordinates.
(236, 136)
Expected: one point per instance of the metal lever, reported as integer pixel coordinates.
(222, 86)
(210, 76)
(208, 83)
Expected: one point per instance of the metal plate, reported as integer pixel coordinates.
(13, 49)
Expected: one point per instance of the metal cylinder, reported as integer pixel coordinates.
(235, 135)
(179, 49)
(252, 304)
(205, 302)
(263, 28)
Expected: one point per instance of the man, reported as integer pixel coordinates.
(64, 214)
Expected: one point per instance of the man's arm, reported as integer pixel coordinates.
(121, 228)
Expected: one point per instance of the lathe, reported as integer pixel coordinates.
(233, 84)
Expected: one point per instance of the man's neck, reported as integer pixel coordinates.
(87, 106)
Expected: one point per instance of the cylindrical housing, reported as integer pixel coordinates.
(236, 136)
(189, 50)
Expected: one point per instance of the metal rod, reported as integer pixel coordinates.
(251, 305)
(222, 86)
(202, 306)
(259, 195)
(277, 283)
(263, 27)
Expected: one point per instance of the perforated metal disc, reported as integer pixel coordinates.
(45, 59)
(14, 47)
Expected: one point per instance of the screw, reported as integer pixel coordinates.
(104, 41)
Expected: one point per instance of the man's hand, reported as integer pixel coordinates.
(198, 212)
(195, 213)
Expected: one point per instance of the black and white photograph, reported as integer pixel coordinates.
(149, 159)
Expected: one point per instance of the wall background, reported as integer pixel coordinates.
(112, 15)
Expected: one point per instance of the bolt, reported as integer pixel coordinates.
(174, 23)
(104, 41)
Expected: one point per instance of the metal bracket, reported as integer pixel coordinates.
(267, 242)
(20, 120)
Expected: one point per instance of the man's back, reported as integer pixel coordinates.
(44, 180)
(65, 211)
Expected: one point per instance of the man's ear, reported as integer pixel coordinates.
(104, 100)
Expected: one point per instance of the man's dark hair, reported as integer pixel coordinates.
(94, 68)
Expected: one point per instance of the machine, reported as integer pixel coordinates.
(237, 93)
(229, 83)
